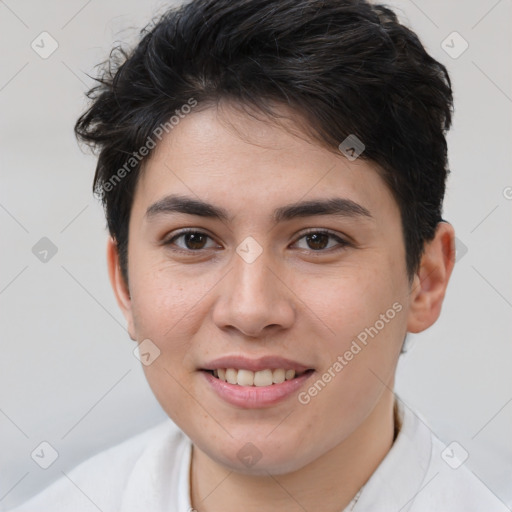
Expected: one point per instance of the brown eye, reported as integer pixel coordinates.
(319, 240)
(191, 240)
(194, 240)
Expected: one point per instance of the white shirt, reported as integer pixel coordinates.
(150, 473)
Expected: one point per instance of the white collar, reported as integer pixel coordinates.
(160, 480)
(400, 476)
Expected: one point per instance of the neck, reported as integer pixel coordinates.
(329, 483)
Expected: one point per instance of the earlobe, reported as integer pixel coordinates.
(430, 282)
(119, 285)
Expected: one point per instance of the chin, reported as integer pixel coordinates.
(258, 459)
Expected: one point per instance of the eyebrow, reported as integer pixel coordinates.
(337, 206)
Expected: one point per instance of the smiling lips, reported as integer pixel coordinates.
(264, 394)
(260, 378)
(255, 383)
(262, 372)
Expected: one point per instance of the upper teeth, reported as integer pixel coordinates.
(250, 378)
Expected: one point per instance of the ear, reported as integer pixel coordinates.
(119, 285)
(431, 280)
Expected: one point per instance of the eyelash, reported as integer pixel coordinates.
(342, 243)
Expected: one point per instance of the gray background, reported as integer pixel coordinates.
(68, 374)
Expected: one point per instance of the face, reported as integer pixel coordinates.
(266, 287)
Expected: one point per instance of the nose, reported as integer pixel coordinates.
(254, 298)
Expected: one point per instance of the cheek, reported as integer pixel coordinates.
(164, 298)
(367, 316)
(356, 299)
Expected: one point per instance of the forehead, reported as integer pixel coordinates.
(249, 161)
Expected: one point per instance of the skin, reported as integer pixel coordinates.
(292, 301)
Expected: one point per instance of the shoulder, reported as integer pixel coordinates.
(101, 481)
(450, 484)
(420, 473)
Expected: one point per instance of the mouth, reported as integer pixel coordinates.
(261, 378)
